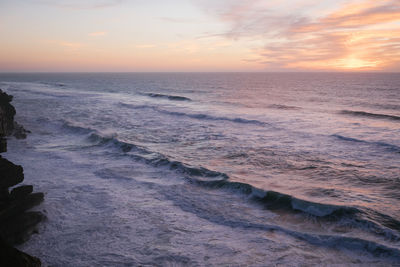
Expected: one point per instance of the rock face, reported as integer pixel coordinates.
(11, 174)
(3, 144)
(17, 223)
(7, 112)
(10, 256)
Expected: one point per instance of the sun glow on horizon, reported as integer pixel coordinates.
(356, 63)
(200, 35)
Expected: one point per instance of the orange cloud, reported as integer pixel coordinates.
(357, 36)
(359, 15)
(366, 39)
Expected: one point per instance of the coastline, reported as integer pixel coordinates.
(17, 223)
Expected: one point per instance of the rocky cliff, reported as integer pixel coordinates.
(16, 221)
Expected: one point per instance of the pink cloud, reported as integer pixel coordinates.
(357, 35)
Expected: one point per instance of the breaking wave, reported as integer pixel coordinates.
(198, 116)
(381, 224)
(285, 107)
(387, 146)
(169, 97)
(370, 115)
(142, 154)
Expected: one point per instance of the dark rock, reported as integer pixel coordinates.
(18, 229)
(4, 195)
(16, 223)
(3, 145)
(7, 124)
(21, 191)
(18, 206)
(5, 98)
(12, 257)
(10, 174)
(7, 112)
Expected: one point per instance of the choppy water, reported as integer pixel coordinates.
(212, 169)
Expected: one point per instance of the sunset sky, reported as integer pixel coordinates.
(199, 35)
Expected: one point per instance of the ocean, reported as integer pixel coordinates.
(211, 169)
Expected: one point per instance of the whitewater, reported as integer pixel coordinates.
(211, 169)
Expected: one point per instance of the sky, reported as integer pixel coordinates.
(199, 35)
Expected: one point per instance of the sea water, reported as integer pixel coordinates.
(200, 169)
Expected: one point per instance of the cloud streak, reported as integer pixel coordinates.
(359, 35)
(80, 4)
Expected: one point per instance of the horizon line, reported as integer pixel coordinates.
(127, 72)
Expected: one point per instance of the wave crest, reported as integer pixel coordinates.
(285, 107)
(370, 115)
(169, 97)
(387, 146)
(198, 116)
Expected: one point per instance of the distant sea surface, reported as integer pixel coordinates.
(221, 169)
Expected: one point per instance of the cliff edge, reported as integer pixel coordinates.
(17, 223)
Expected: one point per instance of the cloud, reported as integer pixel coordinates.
(359, 34)
(177, 20)
(96, 34)
(354, 16)
(80, 4)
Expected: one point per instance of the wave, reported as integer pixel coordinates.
(198, 116)
(142, 154)
(277, 200)
(368, 220)
(59, 84)
(388, 248)
(337, 241)
(350, 243)
(214, 179)
(274, 200)
(75, 128)
(370, 115)
(387, 146)
(157, 159)
(48, 94)
(378, 223)
(285, 107)
(169, 97)
(387, 106)
(325, 212)
(53, 84)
